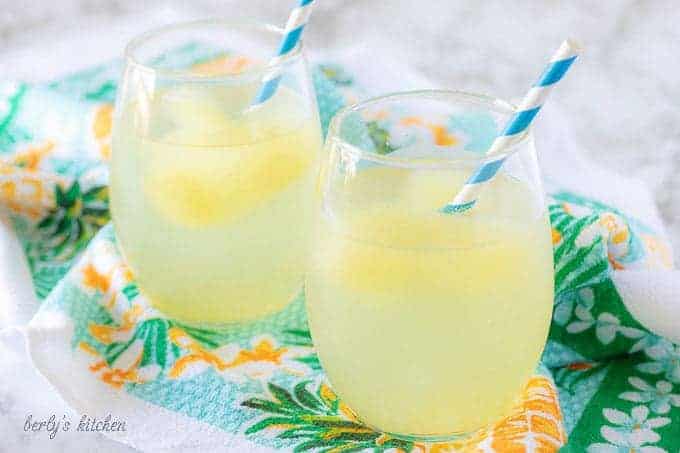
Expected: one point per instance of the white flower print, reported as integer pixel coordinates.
(631, 432)
(257, 361)
(665, 360)
(659, 396)
(647, 340)
(590, 234)
(606, 325)
(564, 308)
(625, 447)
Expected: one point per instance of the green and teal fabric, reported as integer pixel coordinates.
(606, 384)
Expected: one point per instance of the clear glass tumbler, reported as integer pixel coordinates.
(427, 324)
(212, 199)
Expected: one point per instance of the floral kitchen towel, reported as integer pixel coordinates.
(607, 382)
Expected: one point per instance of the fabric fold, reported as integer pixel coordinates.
(609, 379)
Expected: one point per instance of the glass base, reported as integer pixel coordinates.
(427, 438)
(431, 437)
(226, 324)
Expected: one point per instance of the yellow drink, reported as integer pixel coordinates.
(429, 324)
(212, 201)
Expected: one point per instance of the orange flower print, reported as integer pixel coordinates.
(101, 129)
(440, 136)
(225, 65)
(580, 366)
(260, 361)
(8, 190)
(658, 252)
(107, 334)
(556, 236)
(125, 368)
(31, 158)
(24, 194)
(534, 426)
(538, 417)
(93, 279)
(107, 275)
(616, 231)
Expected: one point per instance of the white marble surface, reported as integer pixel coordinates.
(622, 100)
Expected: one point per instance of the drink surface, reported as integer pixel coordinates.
(429, 324)
(212, 206)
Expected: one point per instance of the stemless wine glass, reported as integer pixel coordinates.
(211, 198)
(428, 324)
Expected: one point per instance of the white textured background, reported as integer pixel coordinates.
(622, 98)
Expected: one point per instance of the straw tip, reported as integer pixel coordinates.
(453, 208)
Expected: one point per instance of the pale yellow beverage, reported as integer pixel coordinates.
(212, 201)
(425, 323)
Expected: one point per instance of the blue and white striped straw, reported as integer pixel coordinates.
(520, 121)
(293, 32)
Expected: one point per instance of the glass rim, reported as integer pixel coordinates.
(451, 96)
(258, 71)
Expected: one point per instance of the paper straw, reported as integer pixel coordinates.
(293, 32)
(520, 121)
